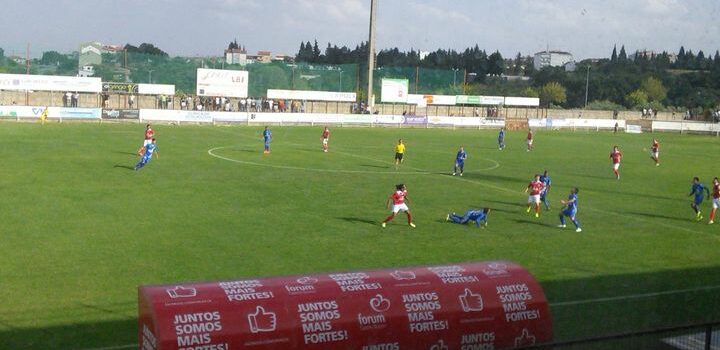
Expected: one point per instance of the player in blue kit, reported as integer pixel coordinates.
(571, 207)
(478, 216)
(545, 179)
(501, 139)
(150, 149)
(699, 190)
(267, 136)
(460, 161)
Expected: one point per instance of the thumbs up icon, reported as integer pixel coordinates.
(181, 292)
(262, 321)
(524, 339)
(471, 301)
(440, 345)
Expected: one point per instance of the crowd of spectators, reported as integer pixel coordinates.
(250, 104)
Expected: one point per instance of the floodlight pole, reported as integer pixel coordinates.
(371, 55)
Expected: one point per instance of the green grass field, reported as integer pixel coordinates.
(79, 230)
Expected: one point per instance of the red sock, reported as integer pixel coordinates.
(537, 209)
(389, 218)
(712, 215)
(409, 217)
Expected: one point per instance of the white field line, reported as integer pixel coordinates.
(635, 296)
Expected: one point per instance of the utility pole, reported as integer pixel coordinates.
(587, 84)
(27, 59)
(127, 72)
(371, 55)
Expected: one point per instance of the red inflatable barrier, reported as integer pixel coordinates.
(490, 305)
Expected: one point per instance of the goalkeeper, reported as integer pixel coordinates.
(478, 216)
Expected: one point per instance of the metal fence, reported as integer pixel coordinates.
(702, 336)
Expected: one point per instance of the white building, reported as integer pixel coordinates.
(544, 59)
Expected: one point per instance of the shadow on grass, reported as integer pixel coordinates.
(618, 303)
(127, 153)
(106, 335)
(585, 307)
(659, 216)
(533, 221)
(376, 166)
(122, 166)
(359, 221)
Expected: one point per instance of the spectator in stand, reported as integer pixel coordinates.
(76, 98)
(131, 101)
(228, 108)
(66, 99)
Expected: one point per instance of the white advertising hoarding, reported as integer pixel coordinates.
(217, 82)
(312, 95)
(156, 89)
(49, 83)
(686, 126)
(436, 100)
(522, 101)
(176, 115)
(551, 123)
(394, 90)
(492, 100)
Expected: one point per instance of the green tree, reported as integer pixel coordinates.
(635, 99)
(496, 64)
(553, 93)
(530, 92)
(654, 89)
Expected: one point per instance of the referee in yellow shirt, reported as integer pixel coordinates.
(399, 151)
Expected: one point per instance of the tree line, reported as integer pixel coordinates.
(621, 81)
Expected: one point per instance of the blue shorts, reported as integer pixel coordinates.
(569, 212)
(698, 200)
(460, 163)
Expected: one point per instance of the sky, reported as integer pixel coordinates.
(586, 28)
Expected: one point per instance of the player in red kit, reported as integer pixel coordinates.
(530, 140)
(149, 135)
(325, 139)
(715, 199)
(616, 156)
(399, 199)
(655, 152)
(535, 188)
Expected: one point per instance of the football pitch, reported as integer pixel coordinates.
(80, 230)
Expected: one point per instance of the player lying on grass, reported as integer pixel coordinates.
(476, 215)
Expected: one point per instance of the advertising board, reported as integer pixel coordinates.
(22, 82)
(218, 82)
(488, 305)
(312, 95)
(394, 90)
